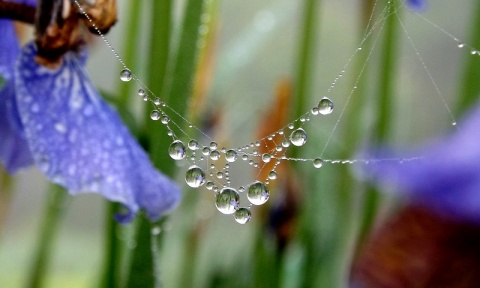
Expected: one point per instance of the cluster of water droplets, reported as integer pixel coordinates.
(209, 165)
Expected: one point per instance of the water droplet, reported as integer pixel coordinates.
(474, 52)
(206, 151)
(214, 155)
(298, 137)
(266, 157)
(317, 163)
(241, 189)
(219, 174)
(193, 145)
(454, 123)
(195, 177)
(279, 148)
(209, 185)
(302, 119)
(227, 200)
(257, 143)
(257, 193)
(157, 101)
(177, 150)
(170, 133)
(125, 75)
(242, 215)
(165, 119)
(141, 92)
(325, 106)
(155, 115)
(272, 175)
(245, 157)
(461, 45)
(315, 111)
(231, 155)
(156, 230)
(213, 145)
(285, 143)
(291, 126)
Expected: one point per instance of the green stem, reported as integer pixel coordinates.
(385, 98)
(48, 231)
(470, 87)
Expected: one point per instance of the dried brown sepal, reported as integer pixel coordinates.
(102, 12)
(418, 248)
(17, 11)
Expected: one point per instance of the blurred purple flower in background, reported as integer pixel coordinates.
(447, 178)
(417, 5)
(56, 118)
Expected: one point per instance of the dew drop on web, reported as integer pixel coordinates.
(325, 106)
(193, 145)
(227, 200)
(258, 193)
(242, 215)
(298, 137)
(155, 115)
(195, 177)
(231, 155)
(125, 75)
(317, 163)
(266, 157)
(177, 150)
(214, 155)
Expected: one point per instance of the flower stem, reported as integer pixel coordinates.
(43, 251)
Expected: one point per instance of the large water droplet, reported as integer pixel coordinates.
(125, 75)
(298, 137)
(231, 155)
(195, 177)
(155, 115)
(227, 200)
(325, 106)
(242, 215)
(177, 150)
(257, 193)
(318, 163)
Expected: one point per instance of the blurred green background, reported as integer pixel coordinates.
(256, 44)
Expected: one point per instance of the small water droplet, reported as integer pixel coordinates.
(227, 200)
(325, 106)
(195, 177)
(157, 101)
(272, 175)
(298, 137)
(258, 193)
(145, 98)
(165, 119)
(302, 119)
(214, 155)
(209, 185)
(279, 148)
(285, 143)
(155, 115)
(474, 52)
(242, 215)
(231, 155)
(461, 45)
(206, 151)
(193, 145)
(125, 75)
(213, 145)
(177, 150)
(245, 157)
(257, 143)
(141, 92)
(318, 163)
(170, 133)
(266, 157)
(241, 189)
(315, 111)
(291, 126)
(454, 123)
(219, 174)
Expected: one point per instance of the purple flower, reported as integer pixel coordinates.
(446, 179)
(417, 5)
(56, 117)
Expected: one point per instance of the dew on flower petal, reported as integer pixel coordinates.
(214, 155)
(317, 163)
(177, 150)
(155, 115)
(242, 215)
(227, 200)
(258, 193)
(195, 177)
(231, 155)
(266, 157)
(125, 75)
(272, 175)
(298, 137)
(325, 106)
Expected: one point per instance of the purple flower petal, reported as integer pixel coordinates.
(417, 5)
(447, 179)
(79, 142)
(14, 151)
